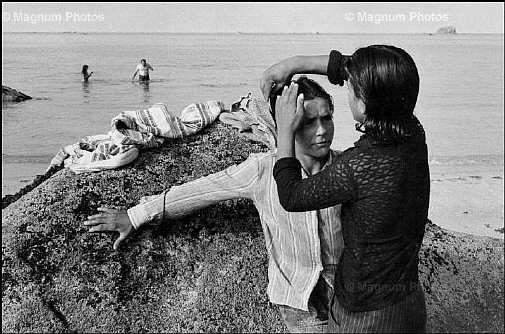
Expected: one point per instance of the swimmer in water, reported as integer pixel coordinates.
(85, 73)
(143, 70)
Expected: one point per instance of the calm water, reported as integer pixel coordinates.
(460, 102)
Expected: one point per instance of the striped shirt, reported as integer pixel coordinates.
(299, 244)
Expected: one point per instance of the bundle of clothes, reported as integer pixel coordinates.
(133, 131)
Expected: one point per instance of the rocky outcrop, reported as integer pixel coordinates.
(447, 30)
(462, 276)
(12, 95)
(206, 272)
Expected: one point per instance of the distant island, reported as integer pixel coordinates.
(447, 30)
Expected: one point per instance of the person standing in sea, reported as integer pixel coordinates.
(143, 71)
(85, 73)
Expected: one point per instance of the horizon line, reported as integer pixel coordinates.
(256, 33)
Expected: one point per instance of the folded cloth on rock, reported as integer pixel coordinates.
(132, 131)
(253, 119)
(94, 154)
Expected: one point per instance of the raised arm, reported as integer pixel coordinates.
(234, 182)
(278, 75)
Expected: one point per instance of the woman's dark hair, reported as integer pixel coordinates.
(385, 78)
(84, 69)
(310, 90)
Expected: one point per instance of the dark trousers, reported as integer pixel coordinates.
(406, 316)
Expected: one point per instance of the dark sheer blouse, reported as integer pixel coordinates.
(384, 191)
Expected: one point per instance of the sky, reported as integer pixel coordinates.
(253, 17)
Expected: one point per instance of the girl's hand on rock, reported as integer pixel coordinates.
(111, 220)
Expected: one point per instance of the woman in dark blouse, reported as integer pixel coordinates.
(382, 183)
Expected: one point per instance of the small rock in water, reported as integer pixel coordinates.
(12, 95)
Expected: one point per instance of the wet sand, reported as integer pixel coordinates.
(468, 198)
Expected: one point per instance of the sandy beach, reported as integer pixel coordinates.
(468, 198)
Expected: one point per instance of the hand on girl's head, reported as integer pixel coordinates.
(287, 97)
(289, 108)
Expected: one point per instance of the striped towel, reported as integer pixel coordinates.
(132, 131)
(253, 119)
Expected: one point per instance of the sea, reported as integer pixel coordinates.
(461, 98)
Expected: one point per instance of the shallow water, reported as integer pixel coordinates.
(460, 102)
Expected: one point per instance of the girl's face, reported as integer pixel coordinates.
(356, 104)
(315, 135)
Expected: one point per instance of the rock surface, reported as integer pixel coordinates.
(12, 95)
(206, 272)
